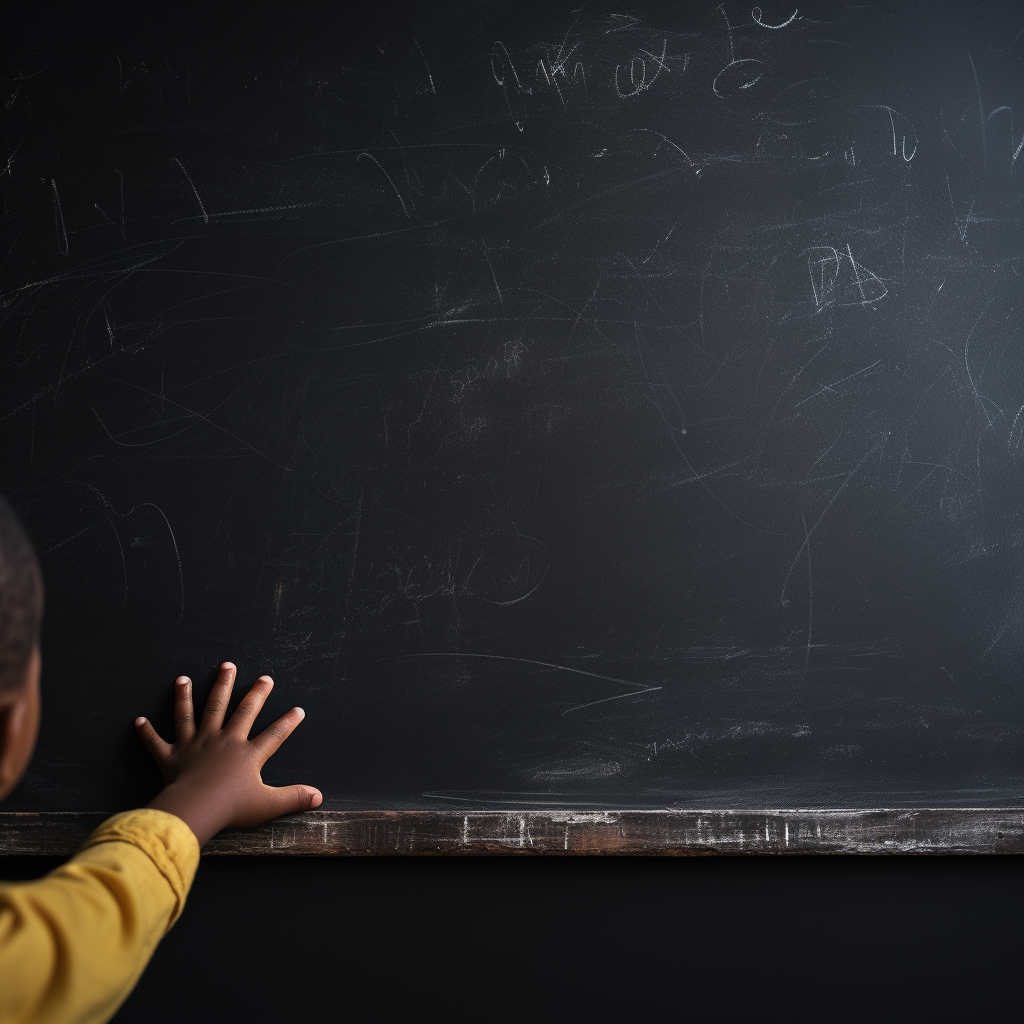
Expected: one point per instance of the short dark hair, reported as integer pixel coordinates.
(21, 600)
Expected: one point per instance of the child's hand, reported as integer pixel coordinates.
(213, 772)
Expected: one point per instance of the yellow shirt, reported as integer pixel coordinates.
(73, 944)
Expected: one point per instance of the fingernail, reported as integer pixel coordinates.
(140, 721)
(227, 666)
(302, 714)
(265, 679)
(183, 680)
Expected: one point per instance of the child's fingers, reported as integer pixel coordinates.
(276, 733)
(184, 716)
(220, 695)
(155, 744)
(251, 705)
(289, 799)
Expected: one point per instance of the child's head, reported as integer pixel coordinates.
(21, 613)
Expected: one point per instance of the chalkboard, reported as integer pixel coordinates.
(602, 407)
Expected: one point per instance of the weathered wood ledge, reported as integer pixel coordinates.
(657, 832)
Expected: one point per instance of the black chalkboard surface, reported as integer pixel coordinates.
(605, 407)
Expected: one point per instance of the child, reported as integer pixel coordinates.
(73, 944)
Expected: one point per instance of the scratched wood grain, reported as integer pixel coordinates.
(664, 833)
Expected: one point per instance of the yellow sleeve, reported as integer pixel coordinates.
(73, 944)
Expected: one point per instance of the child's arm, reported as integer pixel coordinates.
(73, 944)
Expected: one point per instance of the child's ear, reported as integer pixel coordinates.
(19, 726)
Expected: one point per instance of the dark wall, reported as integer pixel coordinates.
(602, 407)
(270, 939)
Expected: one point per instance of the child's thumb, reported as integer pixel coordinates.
(290, 799)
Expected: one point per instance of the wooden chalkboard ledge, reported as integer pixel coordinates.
(666, 832)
